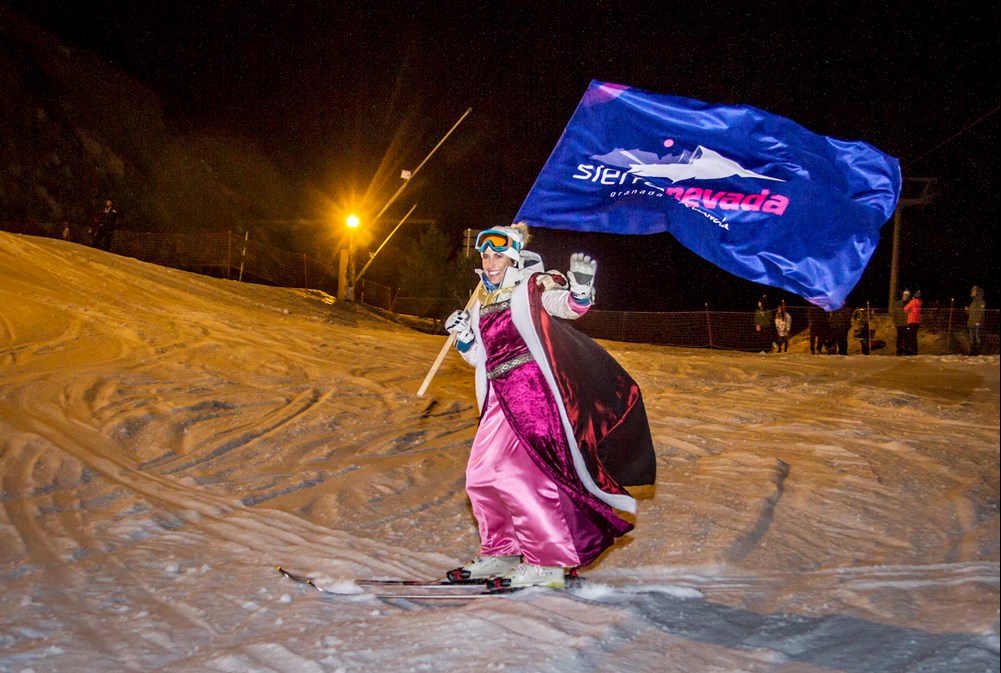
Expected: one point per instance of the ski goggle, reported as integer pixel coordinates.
(496, 240)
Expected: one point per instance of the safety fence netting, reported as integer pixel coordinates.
(942, 330)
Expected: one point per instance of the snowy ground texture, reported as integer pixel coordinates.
(167, 439)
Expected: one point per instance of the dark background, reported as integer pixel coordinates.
(342, 96)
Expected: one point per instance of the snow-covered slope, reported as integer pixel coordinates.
(167, 439)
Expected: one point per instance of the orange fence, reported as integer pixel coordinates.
(230, 256)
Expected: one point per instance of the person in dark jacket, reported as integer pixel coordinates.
(820, 329)
(107, 223)
(841, 324)
(975, 317)
(764, 330)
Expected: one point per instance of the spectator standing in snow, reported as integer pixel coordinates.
(841, 325)
(562, 426)
(763, 328)
(975, 317)
(913, 312)
(900, 321)
(783, 327)
(820, 329)
(107, 223)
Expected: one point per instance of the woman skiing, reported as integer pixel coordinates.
(562, 426)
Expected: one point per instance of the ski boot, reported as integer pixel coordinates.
(527, 575)
(482, 569)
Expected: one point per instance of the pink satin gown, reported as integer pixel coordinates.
(524, 491)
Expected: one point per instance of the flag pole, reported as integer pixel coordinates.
(444, 349)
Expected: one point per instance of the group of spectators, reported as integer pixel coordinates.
(907, 319)
(829, 330)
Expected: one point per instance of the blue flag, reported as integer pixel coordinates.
(754, 193)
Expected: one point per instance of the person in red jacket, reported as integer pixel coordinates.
(913, 312)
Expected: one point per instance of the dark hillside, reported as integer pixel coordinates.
(76, 131)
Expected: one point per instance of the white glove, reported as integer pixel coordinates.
(458, 324)
(581, 277)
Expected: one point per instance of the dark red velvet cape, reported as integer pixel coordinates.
(603, 403)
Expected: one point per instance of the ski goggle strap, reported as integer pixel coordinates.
(497, 240)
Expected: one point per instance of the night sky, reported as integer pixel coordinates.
(344, 95)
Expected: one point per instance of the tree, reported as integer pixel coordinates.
(432, 268)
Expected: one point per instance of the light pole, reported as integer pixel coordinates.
(913, 192)
(352, 223)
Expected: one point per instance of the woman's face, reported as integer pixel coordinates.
(494, 264)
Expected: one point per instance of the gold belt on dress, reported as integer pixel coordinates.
(496, 307)
(508, 365)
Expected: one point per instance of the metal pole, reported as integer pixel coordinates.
(948, 331)
(868, 329)
(709, 327)
(351, 264)
(243, 255)
(895, 254)
(372, 258)
(414, 172)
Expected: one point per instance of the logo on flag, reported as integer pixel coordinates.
(752, 192)
(702, 164)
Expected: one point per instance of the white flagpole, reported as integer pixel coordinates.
(444, 349)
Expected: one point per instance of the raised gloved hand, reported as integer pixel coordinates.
(581, 277)
(458, 324)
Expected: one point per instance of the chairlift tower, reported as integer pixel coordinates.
(913, 192)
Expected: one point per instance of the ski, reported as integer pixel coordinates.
(308, 581)
(408, 584)
(482, 593)
(436, 597)
(424, 584)
(481, 589)
(435, 590)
